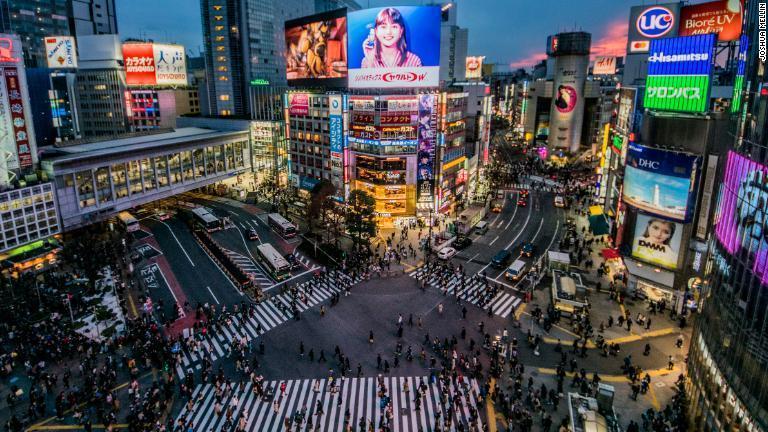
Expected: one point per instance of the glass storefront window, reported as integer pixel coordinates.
(230, 153)
(175, 163)
(220, 167)
(186, 165)
(134, 176)
(119, 181)
(149, 175)
(102, 185)
(210, 161)
(84, 184)
(161, 168)
(199, 163)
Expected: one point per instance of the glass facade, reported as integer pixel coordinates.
(729, 353)
(26, 215)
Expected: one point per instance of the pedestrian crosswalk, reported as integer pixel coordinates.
(326, 405)
(267, 315)
(474, 291)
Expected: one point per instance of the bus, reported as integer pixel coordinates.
(277, 266)
(129, 223)
(281, 225)
(205, 219)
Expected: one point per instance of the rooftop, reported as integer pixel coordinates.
(113, 146)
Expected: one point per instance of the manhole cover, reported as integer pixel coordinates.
(660, 384)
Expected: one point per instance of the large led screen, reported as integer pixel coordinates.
(741, 223)
(660, 182)
(657, 241)
(316, 49)
(394, 47)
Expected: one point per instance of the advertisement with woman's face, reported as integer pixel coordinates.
(394, 47)
(657, 241)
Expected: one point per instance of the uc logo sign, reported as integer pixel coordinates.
(655, 22)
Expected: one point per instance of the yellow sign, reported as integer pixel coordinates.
(453, 163)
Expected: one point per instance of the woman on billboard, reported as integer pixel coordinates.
(656, 243)
(386, 45)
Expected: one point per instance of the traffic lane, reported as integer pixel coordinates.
(266, 234)
(199, 276)
(483, 246)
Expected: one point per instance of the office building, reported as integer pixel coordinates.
(33, 20)
(244, 41)
(101, 88)
(329, 5)
(158, 108)
(453, 45)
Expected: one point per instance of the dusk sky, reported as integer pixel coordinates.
(505, 31)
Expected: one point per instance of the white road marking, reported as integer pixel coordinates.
(522, 229)
(176, 300)
(471, 259)
(291, 278)
(213, 295)
(177, 240)
(557, 227)
(506, 227)
(493, 241)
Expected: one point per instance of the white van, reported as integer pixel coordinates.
(516, 270)
(481, 228)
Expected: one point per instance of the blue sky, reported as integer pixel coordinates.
(506, 31)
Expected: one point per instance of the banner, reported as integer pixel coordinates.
(20, 133)
(298, 104)
(316, 49)
(604, 66)
(657, 241)
(148, 64)
(474, 67)
(394, 47)
(60, 52)
(426, 132)
(722, 17)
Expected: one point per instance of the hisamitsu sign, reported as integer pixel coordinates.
(679, 72)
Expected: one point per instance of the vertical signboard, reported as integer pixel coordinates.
(567, 109)
(426, 131)
(7, 142)
(738, 82)
(18, 119)
(679, 73)
(337, 141)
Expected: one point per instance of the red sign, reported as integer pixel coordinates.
(139, 64)
(298, 104)
(712, 17)
(16, 103)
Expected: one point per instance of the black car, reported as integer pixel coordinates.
(462, 242)
(253, 235)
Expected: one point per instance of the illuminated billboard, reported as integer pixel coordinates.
(604, 66)
(626, 112)
(474, 67)
(298, 104)
(394, 47)
(722, 17)
(60, 52)
(316, 49)
(651, 22)
(741, 221)
(738, 82)
(657, 241)
(149, 64)
(679, 73)
(660, 182)
(427, 140)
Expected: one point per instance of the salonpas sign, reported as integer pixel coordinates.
(679, 71)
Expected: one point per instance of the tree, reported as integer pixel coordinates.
(360, 217)
(333, 218)
(318, 196)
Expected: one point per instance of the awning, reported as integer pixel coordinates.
(595, 210)
(610, 253)
(598, 225)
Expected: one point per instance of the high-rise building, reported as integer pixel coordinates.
(101, 87)
(33, 20)
(453, 45)
(329, 5)
(728, 386)
(93, 17)
(245, 41)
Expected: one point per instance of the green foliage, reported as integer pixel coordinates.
(360, 217)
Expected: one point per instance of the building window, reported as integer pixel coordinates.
(224, 97)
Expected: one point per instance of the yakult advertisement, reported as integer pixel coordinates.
(394, 47)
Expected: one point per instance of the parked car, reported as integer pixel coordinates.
(446, 253)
